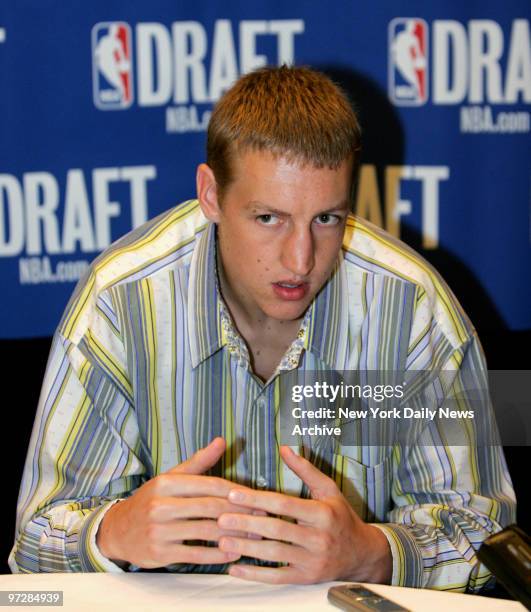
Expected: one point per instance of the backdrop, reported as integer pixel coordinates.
(104, 105)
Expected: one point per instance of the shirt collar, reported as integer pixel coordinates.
(327, 324)
(204, 317)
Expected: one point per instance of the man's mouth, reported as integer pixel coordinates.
(290, 290)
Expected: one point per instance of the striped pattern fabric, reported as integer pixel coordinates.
(146, 367)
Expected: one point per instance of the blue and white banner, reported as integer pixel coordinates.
(104, 106)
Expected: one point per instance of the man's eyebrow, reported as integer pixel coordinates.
(338, 208)
(254, 204)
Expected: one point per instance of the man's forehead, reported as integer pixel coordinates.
(273, 184)
(244, 157)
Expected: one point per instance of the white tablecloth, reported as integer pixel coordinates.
(152, 592)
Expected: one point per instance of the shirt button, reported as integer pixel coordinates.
(261, 404)
(261, 482)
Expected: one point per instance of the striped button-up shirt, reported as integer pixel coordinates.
(146, 367)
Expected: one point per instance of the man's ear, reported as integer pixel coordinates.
(207, 193)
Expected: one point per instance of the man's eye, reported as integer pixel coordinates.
(327, 219)
(267, 219)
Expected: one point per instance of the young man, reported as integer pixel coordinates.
(167, 362)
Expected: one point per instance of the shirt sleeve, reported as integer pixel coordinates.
(450, 492)
(84, 452)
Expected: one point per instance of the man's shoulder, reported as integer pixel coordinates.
(372, 251)
(142, 251)
(378, 252)
(162, 242)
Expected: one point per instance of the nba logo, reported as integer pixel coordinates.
(408, 69)
(112, 75)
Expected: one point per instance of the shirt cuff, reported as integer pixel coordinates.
(408, 564)
(92, 560)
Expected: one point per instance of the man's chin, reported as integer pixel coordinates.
(288, 310)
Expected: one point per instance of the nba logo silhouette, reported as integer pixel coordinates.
(408, 67)
(112, 74)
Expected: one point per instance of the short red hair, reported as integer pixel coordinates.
(293, 112)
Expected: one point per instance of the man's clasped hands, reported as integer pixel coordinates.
(316, 540)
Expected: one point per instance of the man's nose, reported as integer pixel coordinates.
(298, 252)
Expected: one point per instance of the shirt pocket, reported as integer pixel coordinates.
(366, 488)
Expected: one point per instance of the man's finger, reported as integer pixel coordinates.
(268, 527)
(303, 510)
(184, 553)
(269, 575)
(202, 460)
(267, 550)
(205, 530)
(174, 508)
(320, 485)
(184, 485)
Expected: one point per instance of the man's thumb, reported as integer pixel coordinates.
(202, 460)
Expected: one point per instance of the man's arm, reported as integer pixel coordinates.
(82, 461)
(83, 456)
(452, 488)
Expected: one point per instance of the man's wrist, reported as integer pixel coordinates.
(377, 565)
(408, 561)
(90, 557)
(104, 540)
